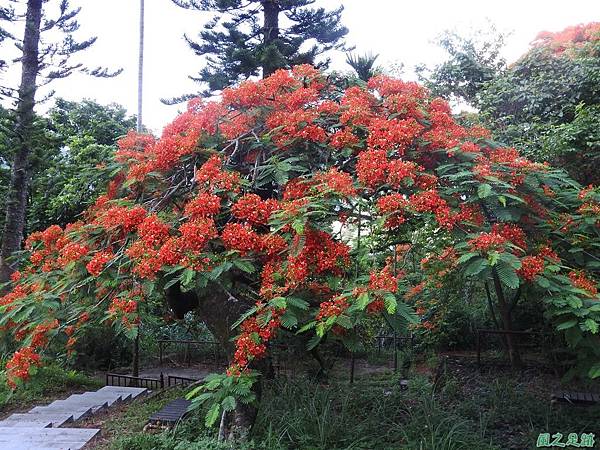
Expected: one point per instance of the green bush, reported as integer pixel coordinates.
(49, 381)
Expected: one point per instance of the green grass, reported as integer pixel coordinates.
(48, 383)
(469, 411)
(130, 423)
(372, 414)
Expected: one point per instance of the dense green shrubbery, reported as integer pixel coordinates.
(467, 411)
(49, 381)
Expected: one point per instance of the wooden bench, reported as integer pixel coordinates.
(576, 398)
(172, 413)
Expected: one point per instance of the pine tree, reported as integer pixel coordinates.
(256, 37)
(43, 59)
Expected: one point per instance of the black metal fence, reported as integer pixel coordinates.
(116, 379)
(174, 380)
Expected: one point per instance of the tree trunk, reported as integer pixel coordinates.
(219, 311)
(16, 204)
(140, 69)
(506, 316)
(270, 32)
(135, 370)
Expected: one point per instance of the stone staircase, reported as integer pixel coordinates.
(39, 429)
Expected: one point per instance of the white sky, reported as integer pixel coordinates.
(399, 31)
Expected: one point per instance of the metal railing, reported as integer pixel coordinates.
(175, 380)
(116, 379)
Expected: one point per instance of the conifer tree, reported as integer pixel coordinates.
(256, 37)
(45, 54)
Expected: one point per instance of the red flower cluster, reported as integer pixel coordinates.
(19, 366)
(357, 106)
(430, 201)
(153, 231)
(531, 267)
(334, 307)
(211, 176)
(72, 252)
(122, 217)
(387, 86)
(383, 281)
(580, 280)
(343, 138)
(253, 209)
(333, 180)
(372, 167)
(299, 124)
(273, 245)
(203, 205)
(122, 306)
(251, 343)
(487, 242)
(376, 306)
(571, 37)
(512, 233)
(399, 171)
(393, 205)
(296, 188)
(243, 238)
(319, 254)
(98, 261)
(393, 134)
(196, 234)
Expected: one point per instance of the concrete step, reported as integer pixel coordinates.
(26, 420)
(110, 398)
(76, 412)
(74, 401)
(124, 391)
(57, 419)
(23, 438)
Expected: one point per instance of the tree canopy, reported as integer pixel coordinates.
(281, 209)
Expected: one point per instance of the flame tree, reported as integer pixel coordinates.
(279, 209)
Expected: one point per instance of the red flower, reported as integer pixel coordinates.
(531, 267)
(393, 134)
(19, 366)
(72, 252)
(400, 171)
(339, 182)
(196, 234)
(242, 238)
(98, 261)
(203, 205)
(372, 167)
(486, 242)
(211, 176)
(122, 217)
(334, 307)
(383, 281)
(512, 233)
(580, 280)
(153, 231)
(342, 139)
(253, 209)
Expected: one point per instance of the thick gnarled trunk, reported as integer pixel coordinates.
(16, 204)
(219, 311)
